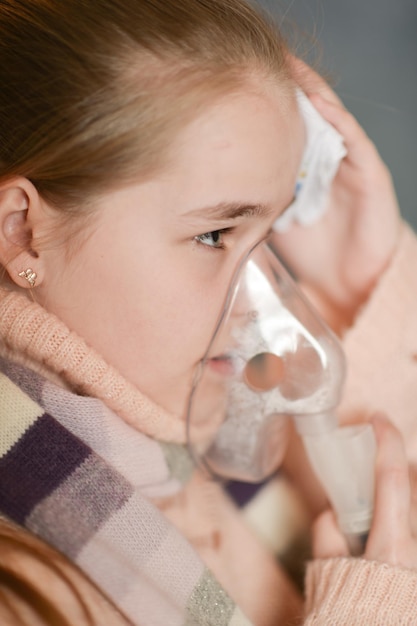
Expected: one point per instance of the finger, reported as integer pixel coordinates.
(361, 150)
(342, 120)
(328, 541)
(390, 530)
(310, 81)
(413, 488)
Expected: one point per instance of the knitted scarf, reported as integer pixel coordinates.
(79, 477)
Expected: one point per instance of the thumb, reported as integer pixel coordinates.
(390, 531)
(328, 541)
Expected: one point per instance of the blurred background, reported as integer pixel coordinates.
(368, 49)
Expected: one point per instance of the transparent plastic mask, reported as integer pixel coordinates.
(271, 358)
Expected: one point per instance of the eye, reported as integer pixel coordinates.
(214, 238)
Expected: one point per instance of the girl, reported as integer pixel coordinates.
(145, 148)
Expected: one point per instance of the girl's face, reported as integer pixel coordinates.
(147, 286)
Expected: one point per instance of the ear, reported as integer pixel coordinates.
(20, 215)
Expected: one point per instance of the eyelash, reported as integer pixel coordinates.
(221, 232)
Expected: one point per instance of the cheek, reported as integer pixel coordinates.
(171, 335)
(180, 320)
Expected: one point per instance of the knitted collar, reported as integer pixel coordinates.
(75, 474)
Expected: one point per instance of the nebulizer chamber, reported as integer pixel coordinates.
(272, 359)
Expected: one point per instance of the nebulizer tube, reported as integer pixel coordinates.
(272, 359)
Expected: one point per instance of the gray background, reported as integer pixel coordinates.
(369, 50)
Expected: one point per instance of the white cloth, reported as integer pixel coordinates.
(322, 155)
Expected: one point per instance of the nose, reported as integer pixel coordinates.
(253, 285)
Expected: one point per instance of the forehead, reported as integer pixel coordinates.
(247, 143)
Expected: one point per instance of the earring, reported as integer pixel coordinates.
(30, 276)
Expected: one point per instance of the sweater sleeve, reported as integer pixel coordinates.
(355, 592)
(381, 348)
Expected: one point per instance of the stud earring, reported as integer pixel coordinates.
(30, 276)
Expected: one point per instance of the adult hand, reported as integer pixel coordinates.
(340, 257)
(391, 538)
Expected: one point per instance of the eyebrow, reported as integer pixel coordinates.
(231, 210)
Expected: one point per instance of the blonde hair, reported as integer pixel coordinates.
(93, 92)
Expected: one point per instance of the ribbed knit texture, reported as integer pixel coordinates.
(342, 592)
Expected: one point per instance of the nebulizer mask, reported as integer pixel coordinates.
(271, 360)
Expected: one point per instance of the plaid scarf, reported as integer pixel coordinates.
(79, 477)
